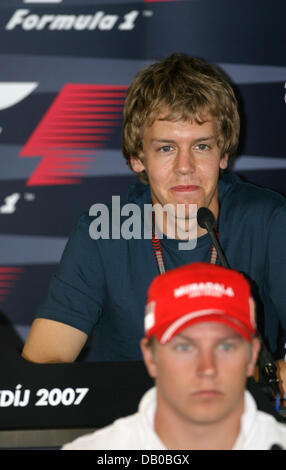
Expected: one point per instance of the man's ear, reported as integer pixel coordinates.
(137, 164)
(255, 348)
(224, 161)
(149, 357)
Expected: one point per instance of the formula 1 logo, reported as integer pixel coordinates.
(27, 21)
(80, 121)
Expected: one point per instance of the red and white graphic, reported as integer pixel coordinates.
(80, 121)
(8, 277)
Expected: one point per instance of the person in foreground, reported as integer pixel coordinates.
(200, 346)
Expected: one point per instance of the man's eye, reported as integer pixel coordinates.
(183, 347)
(226, 346)
(165, 148)
(202, 147)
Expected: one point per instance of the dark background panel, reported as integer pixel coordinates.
(55, 209)
(263, 115)
(271, 179)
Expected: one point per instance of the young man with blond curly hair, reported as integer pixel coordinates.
(180, 128)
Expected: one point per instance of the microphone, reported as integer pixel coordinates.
(269, 370)
(206, 220)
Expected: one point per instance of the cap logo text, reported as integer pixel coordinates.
(197, 289)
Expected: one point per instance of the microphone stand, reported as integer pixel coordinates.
(206, 220)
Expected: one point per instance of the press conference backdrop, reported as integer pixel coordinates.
(65, 68)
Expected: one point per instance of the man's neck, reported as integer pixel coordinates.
(182, 228)
(177, 433)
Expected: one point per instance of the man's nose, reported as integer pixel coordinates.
(207, 364)
(185, 162)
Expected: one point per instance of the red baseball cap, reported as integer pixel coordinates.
(199, 292)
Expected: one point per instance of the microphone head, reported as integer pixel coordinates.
(205, 218)
(276, 447)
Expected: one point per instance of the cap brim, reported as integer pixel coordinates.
(165, 334)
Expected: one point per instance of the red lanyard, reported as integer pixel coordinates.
(159, 253)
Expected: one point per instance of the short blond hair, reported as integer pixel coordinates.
(189, 89)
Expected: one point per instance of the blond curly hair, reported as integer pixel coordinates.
(189, 89)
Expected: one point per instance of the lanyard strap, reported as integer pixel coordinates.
(213, 256)
(159, 253)
(157, 247)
